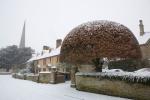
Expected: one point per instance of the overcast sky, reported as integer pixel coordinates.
(47, 20)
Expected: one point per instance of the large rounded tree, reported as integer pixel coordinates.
(98, 39)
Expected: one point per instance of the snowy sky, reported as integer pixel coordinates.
(47, 20)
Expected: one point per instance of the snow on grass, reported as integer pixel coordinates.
(16, 89)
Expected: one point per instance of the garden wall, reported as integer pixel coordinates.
(5, 73)
(44, 77)
(113, 87)
(33, 78)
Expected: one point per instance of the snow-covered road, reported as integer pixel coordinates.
(16, 89)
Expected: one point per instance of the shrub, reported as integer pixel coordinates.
(145, 63)
(98, 64)
(126, 65)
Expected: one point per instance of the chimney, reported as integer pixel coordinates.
(58, 43)
(45, 47)
(141, 26)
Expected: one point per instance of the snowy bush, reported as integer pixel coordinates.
(133, 77)
(127, 64)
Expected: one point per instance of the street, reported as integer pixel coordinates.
(16, 89)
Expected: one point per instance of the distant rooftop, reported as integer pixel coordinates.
(144, 38)
(54, 52)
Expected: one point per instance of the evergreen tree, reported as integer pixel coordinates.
(14, 56)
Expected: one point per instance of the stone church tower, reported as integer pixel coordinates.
(22, 41)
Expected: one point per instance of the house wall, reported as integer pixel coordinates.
(42, 63)
(48, 61)
(145, 49)
(45, 61)
(54, 60)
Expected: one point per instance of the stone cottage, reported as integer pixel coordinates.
(48, 59)
(144, 41)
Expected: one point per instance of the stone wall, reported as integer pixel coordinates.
(5, 73)
(44, 77)
(18, 76)
(3, 70)
(60, 79)
(26, 77)
(53, 77)
(113, 87)
(33, 78)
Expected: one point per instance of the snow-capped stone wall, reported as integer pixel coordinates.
(122, 85)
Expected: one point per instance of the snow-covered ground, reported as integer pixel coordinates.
(16, 89)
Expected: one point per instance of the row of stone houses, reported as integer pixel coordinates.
(48, 59)
(144, 41)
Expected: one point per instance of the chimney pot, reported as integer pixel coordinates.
(58, 42)
(141, 26)
(46, 47)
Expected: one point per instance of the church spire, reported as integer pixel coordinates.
(22, 41)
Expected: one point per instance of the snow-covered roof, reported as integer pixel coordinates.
(53, 67)
(49, 64)
(45, 72)
(45, 55)
(45, 51)
(144, 38)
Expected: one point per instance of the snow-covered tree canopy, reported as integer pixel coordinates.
(12, 55)
(99, 39)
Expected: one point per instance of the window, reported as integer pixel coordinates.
(49, 69)
(44, 69)
(39, 69)
(57, 59)
(44, 61)
(50, 59)
(38, 62)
